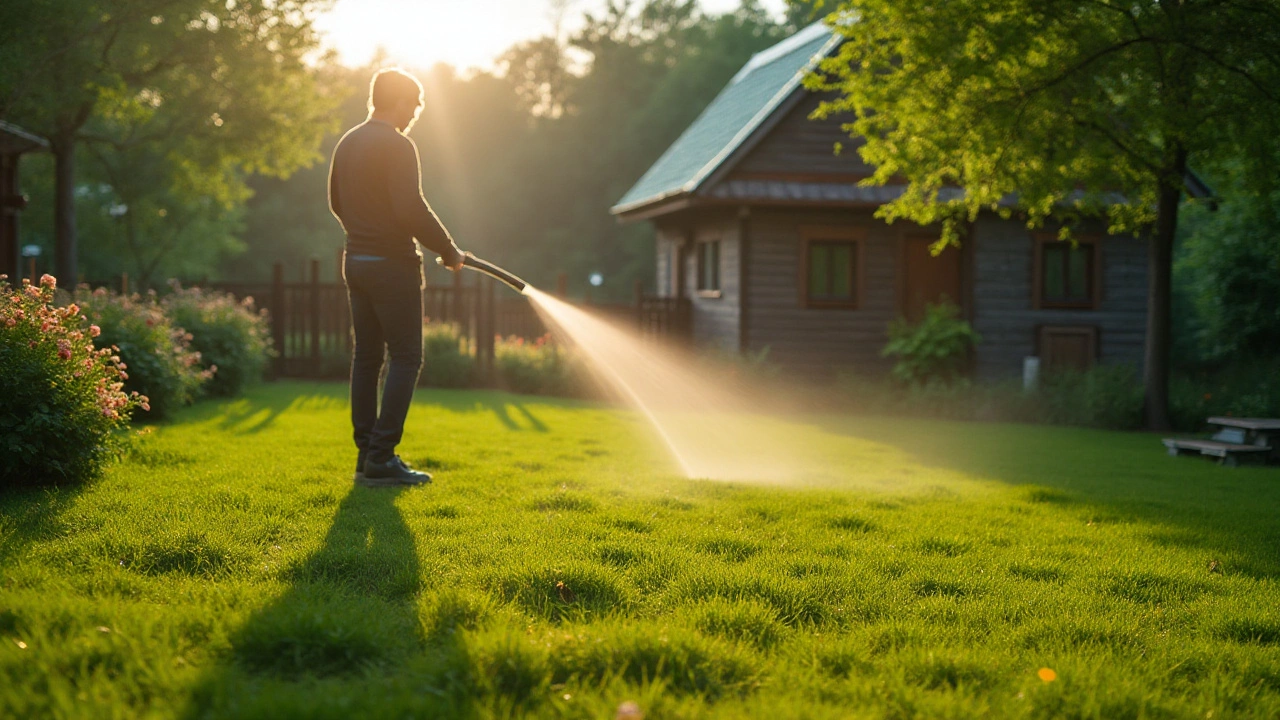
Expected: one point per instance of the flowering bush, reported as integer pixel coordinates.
(229, 335)
(63, 409)
(162, 365)
(539, 367)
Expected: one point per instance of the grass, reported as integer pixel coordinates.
(558, 568)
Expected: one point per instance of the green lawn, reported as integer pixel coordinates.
(557, 567)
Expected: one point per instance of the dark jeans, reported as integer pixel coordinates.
(386, 312)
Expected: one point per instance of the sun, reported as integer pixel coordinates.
(422, 33)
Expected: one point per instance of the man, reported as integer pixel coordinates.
(375, 192)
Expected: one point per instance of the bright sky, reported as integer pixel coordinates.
(463, 33)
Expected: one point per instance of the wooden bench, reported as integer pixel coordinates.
(1230, 454)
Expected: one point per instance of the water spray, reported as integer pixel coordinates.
(493, 271)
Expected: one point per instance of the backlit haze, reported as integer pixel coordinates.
(462, 33)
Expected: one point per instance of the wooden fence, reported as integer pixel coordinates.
(311, 322)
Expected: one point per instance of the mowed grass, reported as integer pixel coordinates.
(558, 567)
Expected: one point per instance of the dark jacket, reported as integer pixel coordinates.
(375, 191)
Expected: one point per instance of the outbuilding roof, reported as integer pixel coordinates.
(749, 99)
(15, 140)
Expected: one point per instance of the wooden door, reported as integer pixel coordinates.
(927, 279)
(1072, 347)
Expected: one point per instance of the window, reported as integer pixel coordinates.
(709, 268)
(831, 267)
(1066, 274)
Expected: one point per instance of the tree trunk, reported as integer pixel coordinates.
(1160, 299)
(64, 210)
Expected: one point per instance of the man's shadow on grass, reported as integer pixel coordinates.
(347, 632)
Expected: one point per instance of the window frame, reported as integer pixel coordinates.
(700, 266)
(855, 236)
(1093, 273)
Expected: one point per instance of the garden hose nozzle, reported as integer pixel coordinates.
(493, 271)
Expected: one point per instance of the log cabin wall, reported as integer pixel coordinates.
(715, 318)
(1004, 310)
(819, 340)
(800, 147)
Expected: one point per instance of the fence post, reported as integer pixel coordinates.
(486, 325)
(455, 304)
(562, 285)
(277, 316)
(315, 316)
(124, 283)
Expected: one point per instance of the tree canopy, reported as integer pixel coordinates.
(1059, 110)
(177, 101)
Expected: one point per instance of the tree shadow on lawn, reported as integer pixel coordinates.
(1110, 476)
(346, 638)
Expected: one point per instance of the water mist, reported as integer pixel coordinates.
(711, 429)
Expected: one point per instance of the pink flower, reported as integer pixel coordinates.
(33, 291)
(11, 322)
(49, 281)
(146, 406)
(94, 331)
(64, 349)
(44, 326)
(108, 412)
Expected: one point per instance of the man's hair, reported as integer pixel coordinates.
(392, 85)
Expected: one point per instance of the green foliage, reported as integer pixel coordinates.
(168, 108)
(1106, 396)
(940, 569)
(1244, 388)
(1066, 108)
(156, 353)
(1229, 265)
(232, 339)
(540, 367)
(934, 349)
(446, 362)
(64, 413)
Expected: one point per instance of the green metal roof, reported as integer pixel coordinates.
(749, 99)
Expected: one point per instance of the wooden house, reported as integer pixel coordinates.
(764, 228)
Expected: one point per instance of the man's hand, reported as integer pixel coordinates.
(454, 263)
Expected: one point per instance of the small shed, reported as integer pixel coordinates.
(14, 142)
(766, 231)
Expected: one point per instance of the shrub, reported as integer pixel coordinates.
(1106, 396)
(540, 367)
(1241, 389)
(229, 335)
(445, 361)
(64, 411)
(936, 348)
(161, 364)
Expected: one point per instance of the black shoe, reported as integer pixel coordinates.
(360, 460)
(392, 472)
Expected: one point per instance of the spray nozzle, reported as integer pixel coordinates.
(493, 271)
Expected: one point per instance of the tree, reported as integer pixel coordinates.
(214, 89)
(1229, 265)
(1067, 108)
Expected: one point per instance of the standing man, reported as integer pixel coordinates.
(375, 192)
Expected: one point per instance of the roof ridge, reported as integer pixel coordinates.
(783, 48)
